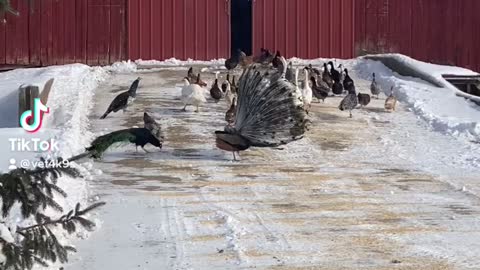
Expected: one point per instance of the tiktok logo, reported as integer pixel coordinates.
(36, 114)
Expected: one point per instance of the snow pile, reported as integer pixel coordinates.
(122, 67)
(173, 62)
(440, 107)
(432, 72)
(70, 101)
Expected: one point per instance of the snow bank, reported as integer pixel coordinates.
(219, 63)
(122, 67)
(440, 107)
(430, 72)
(70, 102)
(173, 62)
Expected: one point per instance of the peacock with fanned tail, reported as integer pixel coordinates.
(269, 112)
(150, 134)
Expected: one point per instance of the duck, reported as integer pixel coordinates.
(313, 71)
(224, 84)
(215, 92)
(319, 91)
(347, 82)
(245, 60)
(350, 101)
(363, 99)
(230, 114)
(229, 96)
(192, 94)
(290, 74)
(337, 88)
(306, 90)
(277, 62)
(195, 78)
(374, 88)
(334, 73)
(326, 77)
(233, 86)
(342, 73)
(261, 57)
(391, 102)
(200, 82)
(232, 62)
(190, 75)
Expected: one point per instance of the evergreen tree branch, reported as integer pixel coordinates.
(72, 217)
(32, 188)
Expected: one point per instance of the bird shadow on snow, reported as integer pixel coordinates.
(166, 154)
(190, 154)
(374, 110)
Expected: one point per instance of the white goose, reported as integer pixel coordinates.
(192, 94)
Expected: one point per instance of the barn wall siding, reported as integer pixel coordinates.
(99, 32)
(161, 29)
(437, 31)
(53, 32)
(305, 28)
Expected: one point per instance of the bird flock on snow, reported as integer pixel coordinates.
(266, 107)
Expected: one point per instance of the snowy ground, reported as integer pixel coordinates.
(379, 191)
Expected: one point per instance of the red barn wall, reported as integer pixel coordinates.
(161, 29)
(99, 32)
(53, 32)
(437, 31)
(305, 28)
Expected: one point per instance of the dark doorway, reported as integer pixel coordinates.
(241, 30)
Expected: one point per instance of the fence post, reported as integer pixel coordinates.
(27, 95)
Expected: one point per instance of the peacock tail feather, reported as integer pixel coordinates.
(102, 143)
(269, 109)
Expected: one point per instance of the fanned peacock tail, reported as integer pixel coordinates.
(269, 110)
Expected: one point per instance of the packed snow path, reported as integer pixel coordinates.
(379, 191)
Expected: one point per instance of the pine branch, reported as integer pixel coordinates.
(32, 188)
(18, 257)
(40, 245)
(70, 218)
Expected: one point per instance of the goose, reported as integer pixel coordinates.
(192, 94)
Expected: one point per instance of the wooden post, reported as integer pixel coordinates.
(26, 97)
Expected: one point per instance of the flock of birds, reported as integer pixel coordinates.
(318, 83)
(266, 107)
